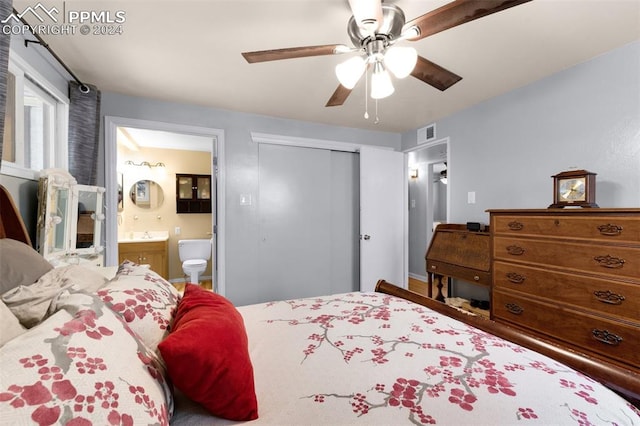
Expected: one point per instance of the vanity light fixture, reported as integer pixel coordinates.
(413, 173)
(143, 164)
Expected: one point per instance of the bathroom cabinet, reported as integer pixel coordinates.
(193, 193)
(152, 253)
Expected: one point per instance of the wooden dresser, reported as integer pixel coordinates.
(570, 275)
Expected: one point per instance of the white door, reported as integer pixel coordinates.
(382, 217)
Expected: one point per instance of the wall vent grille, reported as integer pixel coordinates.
(427, 134)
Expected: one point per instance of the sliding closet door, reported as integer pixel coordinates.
(308, 222)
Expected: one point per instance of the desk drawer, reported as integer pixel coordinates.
(459, 272)
(590, 332)
(623, 262)
(610, 297)
(602, 228)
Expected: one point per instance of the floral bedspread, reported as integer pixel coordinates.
(369, 358)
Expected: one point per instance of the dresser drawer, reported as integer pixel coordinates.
(613, 339)
(601, 228)
(607, 296)
(623, 262)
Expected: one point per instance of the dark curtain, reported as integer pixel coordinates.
(84, 127)
(6, 7)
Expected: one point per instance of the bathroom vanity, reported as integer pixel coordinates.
(146, 249)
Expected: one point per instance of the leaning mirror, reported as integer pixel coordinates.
(146, 194)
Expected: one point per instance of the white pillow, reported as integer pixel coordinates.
(11, 327)
(30, 303)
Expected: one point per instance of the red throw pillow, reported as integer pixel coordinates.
(207, 355)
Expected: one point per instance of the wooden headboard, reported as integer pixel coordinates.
(11, 223)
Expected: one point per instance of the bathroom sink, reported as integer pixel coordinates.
(144, 237)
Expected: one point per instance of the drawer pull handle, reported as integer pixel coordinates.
(515, 226)
(607, 296)
(514, 309)
(609, 261)
(605, 337)
(515, 250)
(515, 278)
(610, 229)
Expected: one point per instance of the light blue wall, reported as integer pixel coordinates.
(241, 168)
(507, 148)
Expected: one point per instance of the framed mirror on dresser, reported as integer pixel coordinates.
(70, 220)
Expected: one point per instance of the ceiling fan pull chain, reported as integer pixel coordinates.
(377, 120)
(366, 98)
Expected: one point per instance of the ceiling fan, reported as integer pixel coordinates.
(374, 29)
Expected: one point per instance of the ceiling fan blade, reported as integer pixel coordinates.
(339, 96)
(456, 13)
(434, 75)
(294, 52)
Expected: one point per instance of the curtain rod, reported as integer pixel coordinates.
(82, 87)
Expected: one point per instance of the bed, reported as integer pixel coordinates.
(130, 349)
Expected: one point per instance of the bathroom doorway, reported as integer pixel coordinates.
(146, 158)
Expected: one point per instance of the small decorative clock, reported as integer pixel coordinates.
(574, 188)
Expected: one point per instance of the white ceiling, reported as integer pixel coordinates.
(164, 140)
(189, 51)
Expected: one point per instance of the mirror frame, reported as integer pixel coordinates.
(141, 194)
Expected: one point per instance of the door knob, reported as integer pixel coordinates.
(367, 237)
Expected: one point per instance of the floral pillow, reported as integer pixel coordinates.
(82, 366)
(144, 299)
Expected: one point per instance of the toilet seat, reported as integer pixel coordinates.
(194, 263)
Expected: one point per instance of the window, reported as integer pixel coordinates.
(35, 129)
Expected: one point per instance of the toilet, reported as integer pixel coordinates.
(194, 255)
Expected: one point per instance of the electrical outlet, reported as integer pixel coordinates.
(177, 230)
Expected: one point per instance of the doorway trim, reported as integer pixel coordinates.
(111, 124)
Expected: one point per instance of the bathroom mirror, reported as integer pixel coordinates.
(146, 194)
(120, 192)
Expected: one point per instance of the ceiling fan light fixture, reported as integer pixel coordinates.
(410, 33)
(342, 48)
(350, 71)
(381, 85)
(401, 60)
(367, 13)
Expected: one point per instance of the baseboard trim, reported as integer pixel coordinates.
(184, 280)
(418, 277)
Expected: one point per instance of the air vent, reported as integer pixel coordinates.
(427, 134)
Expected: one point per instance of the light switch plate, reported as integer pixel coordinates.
(245, 199)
